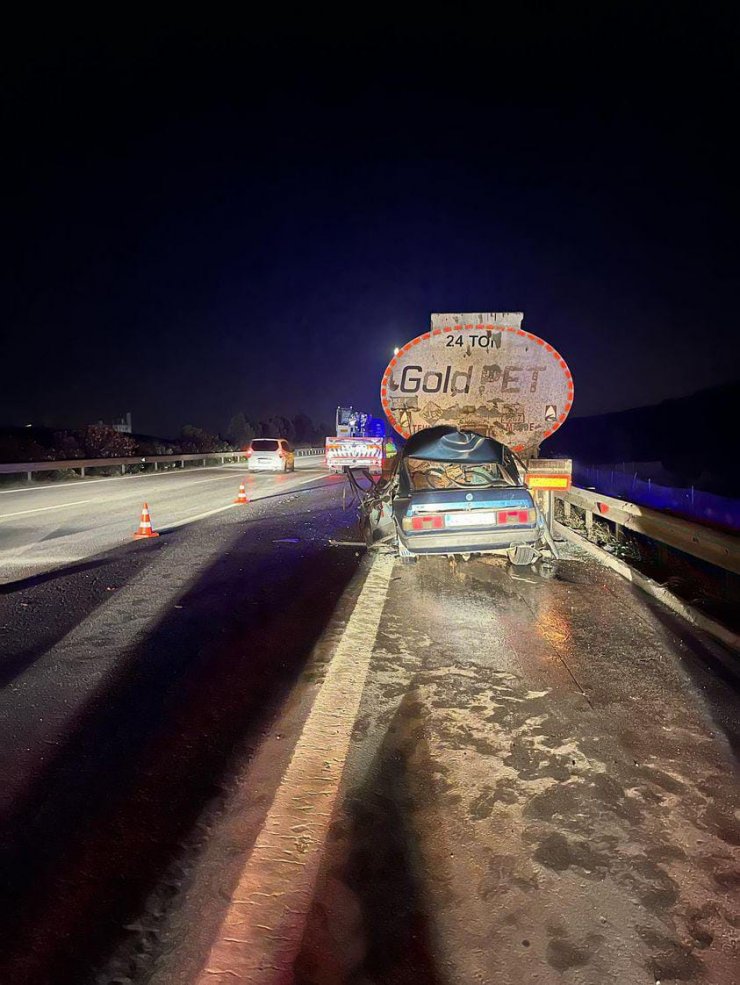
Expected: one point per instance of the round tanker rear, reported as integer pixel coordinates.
(479, 373)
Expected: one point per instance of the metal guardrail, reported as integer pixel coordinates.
(82, 464)
(701, 542)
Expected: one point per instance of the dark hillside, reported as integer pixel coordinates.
(689, 441)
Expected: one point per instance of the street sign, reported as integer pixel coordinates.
(479, 372)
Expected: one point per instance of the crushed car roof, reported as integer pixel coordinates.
(445, 443)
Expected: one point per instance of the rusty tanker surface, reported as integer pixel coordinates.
(483, 373)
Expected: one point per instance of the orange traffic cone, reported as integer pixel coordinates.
(242, 497)
(145, 525)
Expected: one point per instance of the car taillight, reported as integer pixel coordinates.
(516, 516)
(249, 452)
(427, 522)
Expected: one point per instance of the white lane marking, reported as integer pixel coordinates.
(229, 506)
(159, 474)
(180, 488)
(18, 561)
(177, 523)
(81, 502)
(43, 509)
(184, 487)
(260, 935)
(120, 494)
(16, 556)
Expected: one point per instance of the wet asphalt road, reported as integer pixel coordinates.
(541, 781)
(130, 683)
(541, 786)
(545, 774)
(47, 525)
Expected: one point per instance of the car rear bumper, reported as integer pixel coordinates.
(466, 542)
(267, 467)
(372, 465)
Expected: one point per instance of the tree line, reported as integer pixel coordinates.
(299, 429)
(41, 444)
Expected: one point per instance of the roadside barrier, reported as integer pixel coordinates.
(81, 465)
(145, 525)
(652, 587)
(715, 546)
(687, 502)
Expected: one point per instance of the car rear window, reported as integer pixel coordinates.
(264, 444)
(452, 475)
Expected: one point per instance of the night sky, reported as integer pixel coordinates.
(207, 217)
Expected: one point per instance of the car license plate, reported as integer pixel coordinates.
(471, 518)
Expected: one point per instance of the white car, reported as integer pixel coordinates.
(270, 455)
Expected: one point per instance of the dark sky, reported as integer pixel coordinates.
(211, 216)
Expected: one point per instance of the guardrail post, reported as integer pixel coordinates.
(123, 470)
(588, 518)
(156, 466)
(29, 476)
(82, 472)
(566, 509)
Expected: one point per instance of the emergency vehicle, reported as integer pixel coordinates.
(359, 442)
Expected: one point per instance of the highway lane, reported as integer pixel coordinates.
(540, 785)
(131, 681)
(51, 525)
(498, 778)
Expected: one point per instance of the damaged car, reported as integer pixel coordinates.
(457, 492)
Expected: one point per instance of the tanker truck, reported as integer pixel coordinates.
(474, 398)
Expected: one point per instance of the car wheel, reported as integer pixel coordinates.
(521, 555)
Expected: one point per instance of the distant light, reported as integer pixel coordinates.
(396, 350)
(29, 425)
